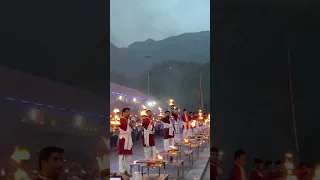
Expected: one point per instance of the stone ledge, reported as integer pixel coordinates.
(200, 166)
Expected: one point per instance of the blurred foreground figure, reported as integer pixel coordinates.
(148, 140)
(257, 172)
(237, 171)
(125, 141)
(215, 170)
(50, 163)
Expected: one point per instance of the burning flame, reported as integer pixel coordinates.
(173, 147)
(160, 109)
(186, 141)
(103, 162)
(20, 175)
(116, 110)
(160, 157)
(144, 107)
(115, 122)
(143, 113)
(3, 172)
(19, 155)
(193, 123)
(171, 102)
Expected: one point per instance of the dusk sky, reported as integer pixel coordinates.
(138, 20)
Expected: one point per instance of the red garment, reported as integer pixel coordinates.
(276, 175)
(235, 173)
(145, 124)
(175, 116)
(184, 118)
(213, 171)
(121, 151)
(256, 175)
(166, 135)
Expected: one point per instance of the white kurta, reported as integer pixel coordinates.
(124, 160)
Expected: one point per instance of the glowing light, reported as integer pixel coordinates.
(144, 107)
(160, 157)
(150, 104)
(19, 155)
(134, 99)
(116, 110)
(143, 113)
(153, 103)
(171, 102)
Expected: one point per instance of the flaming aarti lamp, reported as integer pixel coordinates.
(115, 119)
(171, 103)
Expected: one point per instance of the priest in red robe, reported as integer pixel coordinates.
(237, 171)
(125, 142)
(176, 120)
(190, 118)
(168, 131)
(148, 140)
(185, 123)
(258, 171)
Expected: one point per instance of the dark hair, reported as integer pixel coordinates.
(190, 112)
(46, 153)
(167, 112)
(214, 149)
(148, 110)
(239, 153)
(125, 110)
(184, 110)
(257, 161)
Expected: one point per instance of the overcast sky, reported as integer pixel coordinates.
(138, 20)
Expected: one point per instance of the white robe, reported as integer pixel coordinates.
(124, 160)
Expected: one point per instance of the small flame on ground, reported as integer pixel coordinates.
(20, 154)
(186, 141)
(160, 157)
(172, 147)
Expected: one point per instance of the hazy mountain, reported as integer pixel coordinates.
(132, 61)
